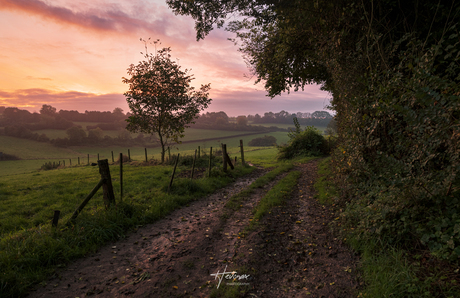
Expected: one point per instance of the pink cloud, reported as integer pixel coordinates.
(33, 99)
(112, 19)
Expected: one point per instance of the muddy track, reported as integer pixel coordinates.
(290, 254)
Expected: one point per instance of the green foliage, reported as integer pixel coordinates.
(309, 142)
(161, 99)
(265, 141)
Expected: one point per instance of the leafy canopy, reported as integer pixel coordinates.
(160, 97)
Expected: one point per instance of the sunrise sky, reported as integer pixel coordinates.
(72, 55)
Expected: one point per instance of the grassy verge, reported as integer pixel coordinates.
(275, 196)
(390, 271)
(30, 250)
(235, 201)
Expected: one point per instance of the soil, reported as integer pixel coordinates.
(292, 252)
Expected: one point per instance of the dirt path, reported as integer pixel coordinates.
(291, 254)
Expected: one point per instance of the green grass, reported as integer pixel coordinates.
(325, 190)
(275, 196)
(27, 149)
(30, 250)
(235, 201)
(36, 152)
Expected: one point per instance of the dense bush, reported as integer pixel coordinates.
(309, 142)
(400, 152)
(264, 141)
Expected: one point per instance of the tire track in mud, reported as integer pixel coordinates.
(171, 257)
(291, 253)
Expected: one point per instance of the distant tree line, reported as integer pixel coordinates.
(22, 124)
(318, 118)
(221, 121)
(49, 118)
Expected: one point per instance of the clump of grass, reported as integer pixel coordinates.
(275, 196)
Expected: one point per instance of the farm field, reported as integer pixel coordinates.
(191, 134)
(27, 149)
(34, 154)
(288, 126)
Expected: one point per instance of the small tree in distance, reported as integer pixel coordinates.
(160, 97)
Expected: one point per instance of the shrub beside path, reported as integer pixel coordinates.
(290, 253)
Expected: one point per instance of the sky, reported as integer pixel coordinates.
(72, 54)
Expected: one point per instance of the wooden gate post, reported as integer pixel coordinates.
(210, 162)
(107, 187)
(173, 173)
(55, 218)
(193, 166)
(121, 176)
(242, 152)
(224, 157)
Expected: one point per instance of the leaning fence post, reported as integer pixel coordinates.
(121, 176)
(210, 162)
(227, 159)
(174, 172)
(193, 165)
(107, 187)
(145, 149)
(242, 152)
(83, 204)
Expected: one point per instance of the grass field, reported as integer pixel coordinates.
(191, 134)
(27, 149)
(30, 249)
(35, 154)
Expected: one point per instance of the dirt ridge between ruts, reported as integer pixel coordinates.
(292, 253)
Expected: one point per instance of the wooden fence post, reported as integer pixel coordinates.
(63, 162)
(98, 157)
(199, 150)
(146, 160)
(88, 159)
(193, 166)
(129, 155)
(79, 160)
(121, 176)
(224, 157)
(242, 152)
(210, 162)
(54, 223)
(107, 187)
(112, 157)
(174, 172)
(169, 154)
(70, 161)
